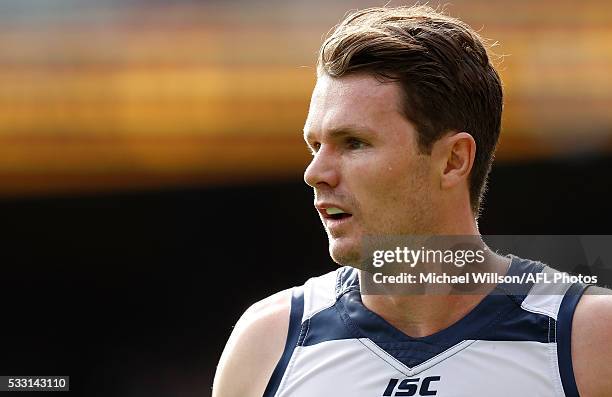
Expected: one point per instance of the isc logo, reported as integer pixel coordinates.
(409, 387)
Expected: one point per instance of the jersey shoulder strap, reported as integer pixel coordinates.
(318, 293)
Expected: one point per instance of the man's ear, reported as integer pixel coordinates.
(454, 153)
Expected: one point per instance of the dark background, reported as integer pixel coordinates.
(130, 243)
(135, 294)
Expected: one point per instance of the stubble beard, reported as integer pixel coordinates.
(416, 216)
(418, 222)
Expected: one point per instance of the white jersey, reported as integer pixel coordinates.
(509, 345)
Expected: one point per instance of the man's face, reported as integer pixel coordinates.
(367, 173)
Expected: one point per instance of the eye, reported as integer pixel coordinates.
(314, 147)
(354, 143)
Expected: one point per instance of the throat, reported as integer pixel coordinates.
(421, 315)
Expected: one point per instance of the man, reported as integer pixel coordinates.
(403, 124)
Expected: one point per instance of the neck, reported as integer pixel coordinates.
(419, 315)
(454, 217)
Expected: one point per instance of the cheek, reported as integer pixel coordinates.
(380, 188)
(403, 187)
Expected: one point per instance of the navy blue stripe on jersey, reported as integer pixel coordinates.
(564, 338)
(328, 324)
(498, 317)
(348, 280)
(295, 325)
(552, 331)
(519, 266)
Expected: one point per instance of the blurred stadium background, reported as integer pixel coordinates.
(149, 147)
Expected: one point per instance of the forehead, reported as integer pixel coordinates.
(353, 100)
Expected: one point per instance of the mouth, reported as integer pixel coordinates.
(333, 213)
(336, 213)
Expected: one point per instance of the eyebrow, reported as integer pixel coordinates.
(339, 132)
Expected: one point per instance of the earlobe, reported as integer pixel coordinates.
(459, 150)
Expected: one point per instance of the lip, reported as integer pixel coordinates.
(323, 206)
(328, 220)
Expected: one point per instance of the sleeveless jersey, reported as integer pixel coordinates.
(509, 345)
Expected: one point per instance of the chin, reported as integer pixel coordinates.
(345, 253)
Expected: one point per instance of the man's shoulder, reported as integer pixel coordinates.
(592, 343)
(258, 340)
(254, 347)
(269, 308)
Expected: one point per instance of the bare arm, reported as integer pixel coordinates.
(592, 345)
(254, 348)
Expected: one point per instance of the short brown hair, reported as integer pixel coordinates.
(447, 79)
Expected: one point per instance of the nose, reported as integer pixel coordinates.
(323, 170)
